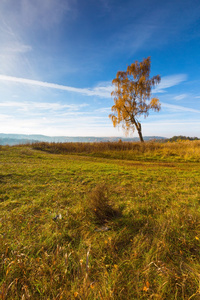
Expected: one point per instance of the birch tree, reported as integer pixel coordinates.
(132, 96)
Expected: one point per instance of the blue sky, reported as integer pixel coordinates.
(58, 59)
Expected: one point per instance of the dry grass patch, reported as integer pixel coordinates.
(100, 206)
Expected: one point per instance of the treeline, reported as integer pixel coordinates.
(181, 138)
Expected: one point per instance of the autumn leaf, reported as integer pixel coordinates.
(146, 287)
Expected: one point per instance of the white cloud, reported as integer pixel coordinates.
(169, 81)
(57, 125)
(103, 110)
(42, 105)
(99, 90)
(96, 91)
(180, 97)
(179, 108)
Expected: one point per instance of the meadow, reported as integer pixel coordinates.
(100, 221)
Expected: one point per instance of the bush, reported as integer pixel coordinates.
(99, 205)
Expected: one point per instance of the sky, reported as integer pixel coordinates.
(58, 59)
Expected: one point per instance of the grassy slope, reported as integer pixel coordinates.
(152, 250)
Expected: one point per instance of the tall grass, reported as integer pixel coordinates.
(182, 150)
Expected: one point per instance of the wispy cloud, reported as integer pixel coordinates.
(15, 48)
(169, 81)
(42, 106)
(36, 12)
(100, 90)
(180, 97)
(96, 91)
(179, 108)
(103, 110)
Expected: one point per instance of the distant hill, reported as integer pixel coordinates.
(15, 139)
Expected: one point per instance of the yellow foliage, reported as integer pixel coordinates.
(132, 95)
(155, 104)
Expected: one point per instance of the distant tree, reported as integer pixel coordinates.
(182, 138)
(132, 96)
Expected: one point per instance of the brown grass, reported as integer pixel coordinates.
(170, 151)
(98, 204)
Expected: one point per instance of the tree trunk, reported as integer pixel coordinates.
(140, 136)
(139, 129)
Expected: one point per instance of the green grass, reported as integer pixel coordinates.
(100, 224)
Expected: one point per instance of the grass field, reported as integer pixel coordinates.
(114, 221)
